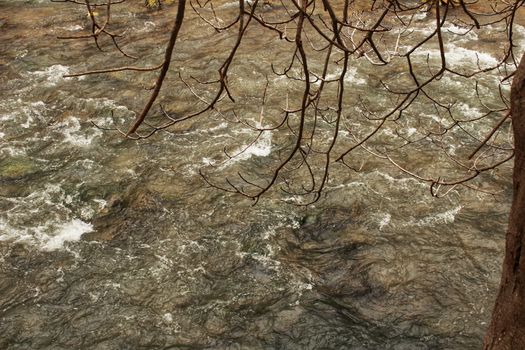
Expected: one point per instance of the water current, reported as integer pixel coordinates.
(108, 243)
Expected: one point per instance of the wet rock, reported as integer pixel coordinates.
(309, 220)
(145, 201)
(17, 168)
(215, 325)
(323, 225)
(19, 257)
(286, 319)
(115, 202)
(126, 213)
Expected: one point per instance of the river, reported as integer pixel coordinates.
(108, 243)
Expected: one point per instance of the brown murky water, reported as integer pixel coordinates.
(108, 243)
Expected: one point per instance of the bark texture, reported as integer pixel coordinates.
(507, 328)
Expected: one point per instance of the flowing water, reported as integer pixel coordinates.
(108, 243)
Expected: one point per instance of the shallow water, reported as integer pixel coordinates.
(108, 243)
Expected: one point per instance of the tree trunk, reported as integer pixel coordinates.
(507, 327)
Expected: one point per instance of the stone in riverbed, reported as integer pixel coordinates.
(16, 168)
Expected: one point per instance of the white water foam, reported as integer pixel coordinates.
(47, 237)
(70, 128)
(235, 4)
(445, 217)
(468, 111)
(261, 148)
(53, 74)
(411, 131)
(385, 220)
(44, 218)
(67, 232)
(19, 109)
(351, 76)
(109, 112)
(459, 56)
(73, 28)
(404, 183)
(460, 33)
(148, 26)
